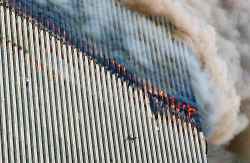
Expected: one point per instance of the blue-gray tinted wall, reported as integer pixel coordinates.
(104, 29)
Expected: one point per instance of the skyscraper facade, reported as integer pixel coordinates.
(96, 84)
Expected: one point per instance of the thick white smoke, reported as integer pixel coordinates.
(101, 19)
(219, 33)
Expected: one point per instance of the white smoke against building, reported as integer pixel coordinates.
(218, 32)
(100, 21)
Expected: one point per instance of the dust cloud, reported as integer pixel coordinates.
(219, 34)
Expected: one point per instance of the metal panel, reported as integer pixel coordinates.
(116, 26)
(59, 105)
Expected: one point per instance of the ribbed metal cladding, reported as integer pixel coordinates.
(107, 29)
(58, 105)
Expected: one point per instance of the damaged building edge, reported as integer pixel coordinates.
(66, 25)
(182, 107)
(66, 66)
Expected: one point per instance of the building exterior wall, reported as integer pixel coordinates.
(58, 105)
(147, 46)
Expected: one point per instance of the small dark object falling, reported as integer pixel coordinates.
(131, 138)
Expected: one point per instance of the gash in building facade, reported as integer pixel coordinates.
(91, 81)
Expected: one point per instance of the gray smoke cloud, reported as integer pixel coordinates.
(100, 21)
(218, 31)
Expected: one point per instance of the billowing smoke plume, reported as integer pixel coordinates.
(138, 38)
(219, 33)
